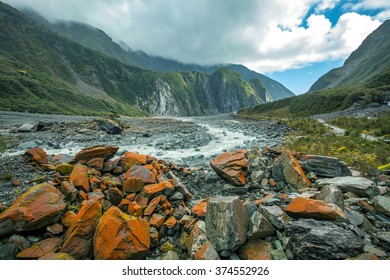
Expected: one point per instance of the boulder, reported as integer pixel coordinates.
(79, 236)
(40, 206)
(382, 204)
(199, 247)
(327, 167)
(38, 250)
(293, 172)
(274, 214)
(111, 127)
(129, 159)
(79, 177)
(311, 239)
(27, 127)
(360, 186)
(232, 166)
(199, 209)
(260, 227)
(255, 249)
(69, 190)
(37, 155)
(86, 154)
(140, 172)
(119, 236)
(301, 207)
(64, 168)
(227, 223)
(332, 194)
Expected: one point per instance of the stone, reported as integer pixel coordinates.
(274, 214)
(180, 187)
(328, 167)
(134, 209)
(110, 127)
(79, 177)
(120, 237)
(260, 227)
(311, 239)
(86, 154)
(384, 239)
(199, 210)
(176, 196)
(8, 251)
(301, 207)
(170, 222)
(95, 195)
(255, 249)
(37, 155)
(69, 190)
(57, 256)
(152, 206)
(293, 172)
(64, 168)
(257, 176)
(55, 229)
(167, 246)
(156, 220)
(133, 185)
(232, 166)
(115, 196)
(96, 163)
(27, 127)
(166, 188)
(170, 256)
(140, 172)
(15, 182)
(227, 223)
(68, 218)
(38, 250)
(361, 186)
(40, 206)
(78, 238)
(332, 194)
(382, 204)
(277, 172)
(129, 159)
(19, 241)
(374, 251)
(199, 247)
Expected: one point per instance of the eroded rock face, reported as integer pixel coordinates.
(360, 186)
(40, 206)
(119, 236)
(86, 154)
(79, 236)
(293, 172)
(226, 223)
(310, 208)
(311, 239)
(232, 166)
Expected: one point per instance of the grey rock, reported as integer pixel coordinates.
(199, 240)
(277, 172)
(176, 196)
(328, 167)
(354, 217)
(311, 239)
(279, 253)
(259, 227)
(384, 239)
(171, 256)
(274, 214)
(235, 190)
(8, 251)
(375, 251)
(110, 127)
(251, 208)
(179, 186)
(19, 241)
(382, 204)
(361, 186)
(332, 194)
(226, 223)
(27, 127)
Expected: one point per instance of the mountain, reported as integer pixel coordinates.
(41, 71)
(96, 39)
(371, 58)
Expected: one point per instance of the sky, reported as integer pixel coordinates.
(293, 42)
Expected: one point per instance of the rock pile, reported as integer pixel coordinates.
(291, 206)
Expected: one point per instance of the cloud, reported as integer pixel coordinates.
(264, 35)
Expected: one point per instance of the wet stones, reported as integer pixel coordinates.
(40, 206)
(226, 223)
(231, 166)
(311, 239)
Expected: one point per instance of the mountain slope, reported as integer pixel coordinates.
(41, 71)
(96, 39)
(369, 59)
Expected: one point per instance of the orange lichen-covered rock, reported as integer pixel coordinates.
(57, 256)
(232, 166)
(310, 208)
(170, 222)
(129, 159)
(293, 172)
(96, 163)
(199, 209)
(255, 249)
(140, 172)
(79, 177)
(152, 206)
(68, 218)
(37, 155)
(120, 236)
(40, 206)
(156, 220)
(40, 249)
(206, 252)
(105, 152)
(134, 209)
(166, 188)
(133, 185)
